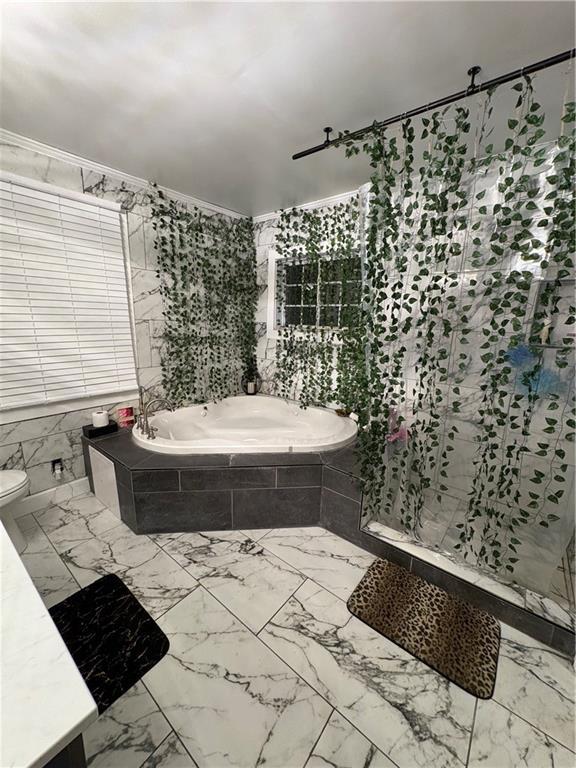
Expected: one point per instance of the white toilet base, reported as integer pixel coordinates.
(12, 528)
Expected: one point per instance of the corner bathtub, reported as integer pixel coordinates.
(247, 424)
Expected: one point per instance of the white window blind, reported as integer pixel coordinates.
(65, 329)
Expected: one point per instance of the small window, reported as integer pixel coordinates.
(65, 328)
(323, 294)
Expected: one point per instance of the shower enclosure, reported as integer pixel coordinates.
(463, 348)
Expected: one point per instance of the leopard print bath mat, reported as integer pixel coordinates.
(456, 639)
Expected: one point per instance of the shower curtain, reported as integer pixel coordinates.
(468, 328)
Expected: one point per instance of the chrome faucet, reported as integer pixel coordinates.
(140, 420)
(148, 430)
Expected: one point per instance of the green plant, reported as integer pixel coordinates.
(207, 274)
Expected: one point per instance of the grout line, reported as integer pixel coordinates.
(274, 652)
(305, 763)
(170, 723)
(140, 765)
(319, 693)
(249, 488)
(327, 488)
(532, 725)
(277, 611)
(56, 551)
(466, 761)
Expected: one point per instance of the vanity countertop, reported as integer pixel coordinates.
(44, 701)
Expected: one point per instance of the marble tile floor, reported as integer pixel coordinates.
(267, 667)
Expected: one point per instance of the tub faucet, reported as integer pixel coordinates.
(146, 428)
(141, 398)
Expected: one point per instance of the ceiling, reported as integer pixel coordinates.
(212, 99)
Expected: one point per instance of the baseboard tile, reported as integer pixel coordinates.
(51, 496)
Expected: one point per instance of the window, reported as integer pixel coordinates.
(65, 328)
(323, 293)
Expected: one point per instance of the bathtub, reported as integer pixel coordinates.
(247, 424)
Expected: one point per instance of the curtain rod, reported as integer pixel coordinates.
(470, 91)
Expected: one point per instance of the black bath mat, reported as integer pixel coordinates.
(110, 636)
(456, 639)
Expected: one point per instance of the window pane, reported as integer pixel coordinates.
(308, 315)
(351, 293)
(349, 315)
(293, 294)
(352, 269)
(309, 294)
(293, 274)
(330, 293)
(329, 316)
(310, 273)
(292, 315)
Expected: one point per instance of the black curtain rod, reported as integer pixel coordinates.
(470, 91)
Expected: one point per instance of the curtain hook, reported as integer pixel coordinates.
(473, 72)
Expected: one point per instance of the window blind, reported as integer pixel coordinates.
(65, 329)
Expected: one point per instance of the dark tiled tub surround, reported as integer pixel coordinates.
(163, 493)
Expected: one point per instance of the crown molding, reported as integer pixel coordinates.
(342, 197)
(8, 137)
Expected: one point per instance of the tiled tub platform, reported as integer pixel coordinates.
(164, 493)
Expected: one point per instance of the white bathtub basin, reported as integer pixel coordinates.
(247, 424)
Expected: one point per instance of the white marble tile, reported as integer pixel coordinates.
(157, 342)
(11, 457)
(41, 475)
(39, 167)
(342, 746)
(50, 575)
(136, 241)
(127, 733)
(256, 533)
(143, 354)
(170, 754)
(133, 197)
(76, 520)
(146, 295)
(251, 582)
(550, 609)
(503, 740)
(411, 713)
(150, 238)
(152, 575)
(231, 701)
(151, 380)
(64, 445)
(164, 538)
(32, 429)
(322, 556)
(65, 511)
(537, 683)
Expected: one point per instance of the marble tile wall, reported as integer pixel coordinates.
(265, 235)
(33, 444)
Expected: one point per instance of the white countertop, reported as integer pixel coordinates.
(44, 701)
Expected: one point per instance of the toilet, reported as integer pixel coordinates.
(14, 485)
